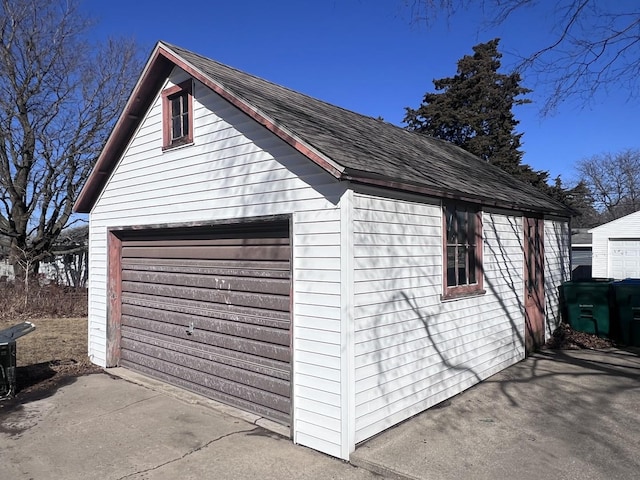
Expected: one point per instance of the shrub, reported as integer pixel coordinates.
(41, 301)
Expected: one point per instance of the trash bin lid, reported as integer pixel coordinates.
(11, 334)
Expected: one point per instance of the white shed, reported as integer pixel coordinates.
(616, 248)
(324, 269)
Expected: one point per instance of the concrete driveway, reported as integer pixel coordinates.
(557, 415)
(561, 415)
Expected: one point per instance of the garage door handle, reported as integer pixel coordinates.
(190, 329)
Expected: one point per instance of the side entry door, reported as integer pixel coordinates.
(534, 283)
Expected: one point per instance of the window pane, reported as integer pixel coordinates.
(462, 227)
(185, 124)
(472, 266)
(451, 266)
(451, 224)
(472, 229)
(175, 128)
(462, 265)
(175, 106)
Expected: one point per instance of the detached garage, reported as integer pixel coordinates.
(323, 269)
(616, 248)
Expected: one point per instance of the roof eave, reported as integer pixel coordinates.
(151, 79)
(366, 178)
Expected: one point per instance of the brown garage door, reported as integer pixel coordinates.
(209, 311)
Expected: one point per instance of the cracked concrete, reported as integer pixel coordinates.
(563, 415)
(103, 427)
(157, 467)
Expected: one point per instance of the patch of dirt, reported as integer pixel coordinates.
(565, 338)
(49, 357)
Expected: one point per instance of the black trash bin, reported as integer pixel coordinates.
(626, 294)
(8, 339)
(7, 369)
(586, 305)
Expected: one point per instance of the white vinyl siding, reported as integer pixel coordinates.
(236, 169)
(413, 350)
(557, 269)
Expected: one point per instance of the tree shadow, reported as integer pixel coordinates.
(464, 341)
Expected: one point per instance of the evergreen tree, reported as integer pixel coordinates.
(474, 111)
(580, 199)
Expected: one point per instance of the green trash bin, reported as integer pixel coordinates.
(587, 305)
(626, 295)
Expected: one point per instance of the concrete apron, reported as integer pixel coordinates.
(103, 427)
(563, 415)
(558, 414)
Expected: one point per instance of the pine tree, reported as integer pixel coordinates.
(474, 111)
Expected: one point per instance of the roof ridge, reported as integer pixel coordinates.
(277, 85)
(347, 144)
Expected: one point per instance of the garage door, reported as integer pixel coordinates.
(209, 311)
(624, 256)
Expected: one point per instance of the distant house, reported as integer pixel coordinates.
(616, 248)
(6, 268)
(581, 254)
(66, 265)
(69, 261)
(317, 267)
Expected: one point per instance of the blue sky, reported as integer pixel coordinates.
(369, 57)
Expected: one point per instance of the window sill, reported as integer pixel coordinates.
(175, 146)
(450, 297)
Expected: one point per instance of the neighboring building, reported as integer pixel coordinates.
(66, 265)
(580, 254)
(324, 269)
(616, 248)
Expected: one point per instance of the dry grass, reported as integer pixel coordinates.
(57, 349)
(54, 341)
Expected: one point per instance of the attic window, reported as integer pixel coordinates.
(177, 115)
(462, 250)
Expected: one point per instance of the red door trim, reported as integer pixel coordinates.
(114, 299)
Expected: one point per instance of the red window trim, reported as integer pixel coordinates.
(477, 288)
(184, 87)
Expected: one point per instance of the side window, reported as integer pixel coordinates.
(462, 249)
(177, 115)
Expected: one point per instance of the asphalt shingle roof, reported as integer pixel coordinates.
(370, 147)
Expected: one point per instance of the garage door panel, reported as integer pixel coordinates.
(263, 252)
(226, 387)
(192, 325)
(231, 268)
(209, 310)
(222, 297)
(624, 258)
(275, 286)
(230, 239)
(278, 416)
(161, 357)
(262, 365)
(236, 313)
(229, 342)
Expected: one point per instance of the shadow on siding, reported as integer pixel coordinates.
(458, 366)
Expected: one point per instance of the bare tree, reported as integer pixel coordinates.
(595, 44)
(59, 97)
(614, 182)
